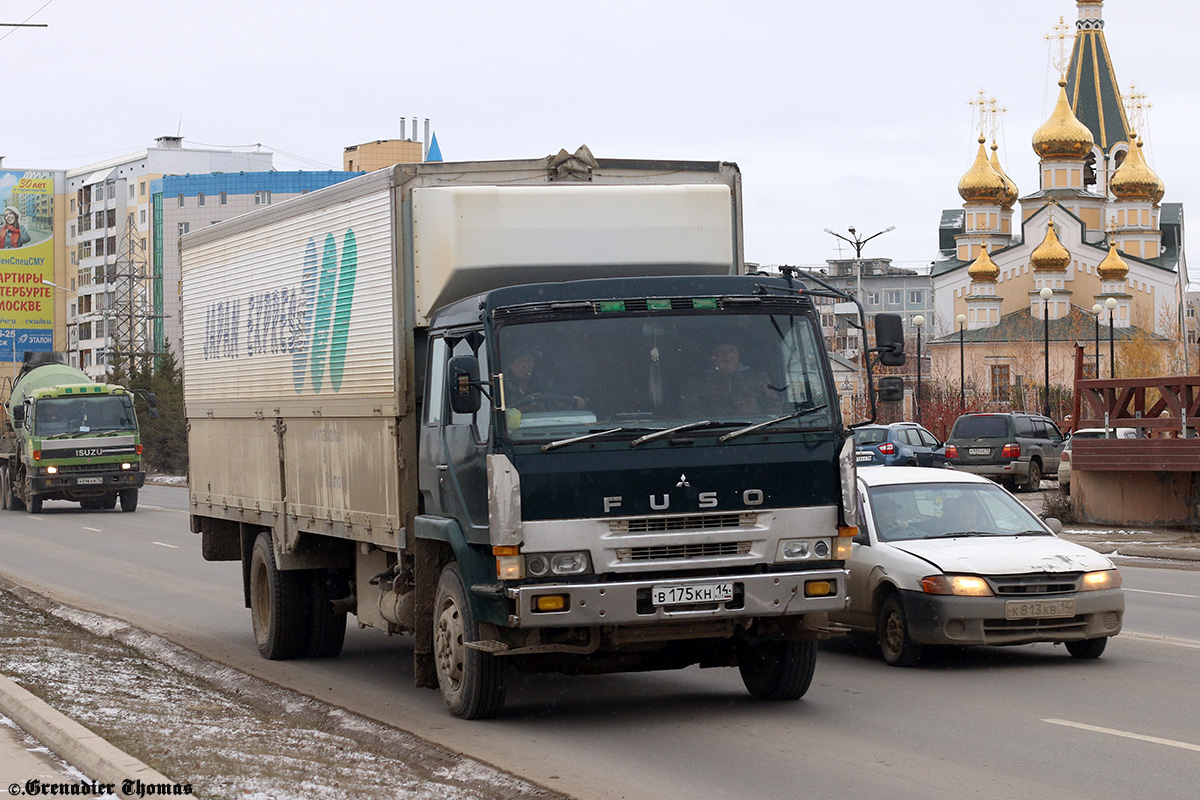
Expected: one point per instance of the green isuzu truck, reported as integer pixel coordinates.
(65, 437)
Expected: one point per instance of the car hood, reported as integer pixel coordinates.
(1005, 555)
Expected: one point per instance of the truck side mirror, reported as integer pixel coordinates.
(891, 389)
(152, 404)
(889, 339)
(463, 377)
(18, 415)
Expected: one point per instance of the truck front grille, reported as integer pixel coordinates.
(686, 522)
(676, 552)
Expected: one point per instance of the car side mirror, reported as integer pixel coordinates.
(463, 379)
(889, 339)
(1054, 524)
(891, 389)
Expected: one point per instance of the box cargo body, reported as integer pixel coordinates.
(333, 346)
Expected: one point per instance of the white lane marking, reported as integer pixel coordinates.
(1148, 637)
(163, 508)
(1125, 734)
(161, 544)
(94, 530)
(1165, 594)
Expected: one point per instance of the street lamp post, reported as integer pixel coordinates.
(857, 243)
(1111, 304)
(961, 319)
(1096, 309)
(1046, 293)
(918, 322)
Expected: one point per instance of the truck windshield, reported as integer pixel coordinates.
(570, 377)
(99, 413)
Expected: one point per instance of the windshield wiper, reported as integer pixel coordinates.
(563, 442)
(962, 533)
(704, 423)
(785, 418)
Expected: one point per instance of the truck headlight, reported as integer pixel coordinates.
(539, 565)
(803, 549)
(51, 470)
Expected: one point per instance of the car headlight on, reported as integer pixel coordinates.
(1101, 579)
(958, 585)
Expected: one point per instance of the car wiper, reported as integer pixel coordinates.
(704, 423)
(961, 534)
(594, 434)
(750, 429)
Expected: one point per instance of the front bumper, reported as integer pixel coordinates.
(943, 619)
(628, 602)
(109, 480)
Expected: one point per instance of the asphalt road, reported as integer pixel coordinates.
(998, 723)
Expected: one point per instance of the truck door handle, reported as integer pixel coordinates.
(442, 467)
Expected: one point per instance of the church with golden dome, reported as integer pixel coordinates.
(1093, 246)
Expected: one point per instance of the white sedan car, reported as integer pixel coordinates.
(952, 558)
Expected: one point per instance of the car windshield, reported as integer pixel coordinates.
(66, 415)
(943, 510)
(637, 373)
(864, 436)
(980, 427)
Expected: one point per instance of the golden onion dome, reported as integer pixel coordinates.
(1063, 135)
(983, 268)
(1010, 189)
(1113, 267)
(981, 183)
(1050, 254)
(1134, 180)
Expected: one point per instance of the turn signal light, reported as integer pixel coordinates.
(819, 588)
(550, 602)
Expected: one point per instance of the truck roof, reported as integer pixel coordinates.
(471, 309)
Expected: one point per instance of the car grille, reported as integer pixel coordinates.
(686, 522)
(676, 552)
(1034, 585)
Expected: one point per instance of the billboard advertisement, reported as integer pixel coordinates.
(26, 259)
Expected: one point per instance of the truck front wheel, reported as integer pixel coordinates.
(129, 499)
(777, 670)
(35, 503)
(471, 681)
(280, 604)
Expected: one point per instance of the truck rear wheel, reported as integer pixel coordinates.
(778, 670)
(471, 681)
(280, 604)
(129, 499)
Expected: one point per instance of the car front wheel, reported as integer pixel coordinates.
(899, 650)
(1087, 648)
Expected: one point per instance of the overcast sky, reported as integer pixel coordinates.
(839, 114)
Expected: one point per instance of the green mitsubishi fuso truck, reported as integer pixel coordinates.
(66, 437)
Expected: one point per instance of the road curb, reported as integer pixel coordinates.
(81, 748)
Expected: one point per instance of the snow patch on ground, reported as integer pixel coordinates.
(226, 733)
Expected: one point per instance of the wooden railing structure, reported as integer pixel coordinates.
(1166, 412)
